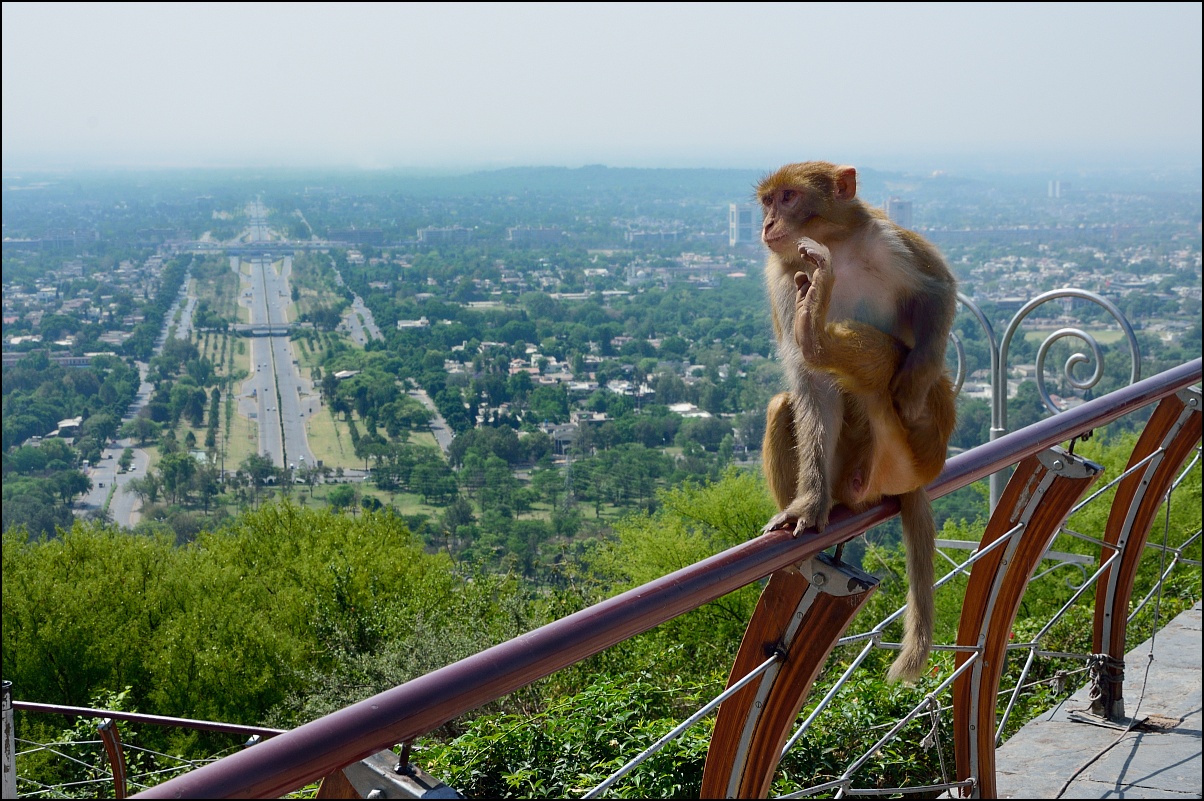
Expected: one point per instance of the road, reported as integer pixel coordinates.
(124, 507)
(360, 332)
(184, 329)
(108, 485)
(443, 434)
(276, 395)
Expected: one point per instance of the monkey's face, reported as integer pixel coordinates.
(787, 209)
(798, 198)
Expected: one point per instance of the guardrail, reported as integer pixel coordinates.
(1041, 493)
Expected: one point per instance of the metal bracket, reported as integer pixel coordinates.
(378, 777)
(834, 577)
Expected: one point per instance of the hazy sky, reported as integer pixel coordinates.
(434, 85)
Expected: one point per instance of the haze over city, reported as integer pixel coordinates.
(469, 86)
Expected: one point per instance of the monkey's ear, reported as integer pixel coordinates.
(846, 183)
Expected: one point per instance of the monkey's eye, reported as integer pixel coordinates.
(788, 195)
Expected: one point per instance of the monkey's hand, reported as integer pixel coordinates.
(813, 290)
(814, 255)
(804, 512)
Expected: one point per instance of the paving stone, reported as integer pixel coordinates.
(1161, 763)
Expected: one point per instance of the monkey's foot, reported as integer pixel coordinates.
(798, 517)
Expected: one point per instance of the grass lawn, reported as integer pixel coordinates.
(329, 441)
(1102, 337)
(244, 440)
(405, 503)
(425, 439)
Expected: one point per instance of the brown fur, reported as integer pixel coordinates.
(861, 322)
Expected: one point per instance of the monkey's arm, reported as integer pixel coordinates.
(861, 358)
(930, 314)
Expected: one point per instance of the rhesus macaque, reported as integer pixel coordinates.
(862, 311)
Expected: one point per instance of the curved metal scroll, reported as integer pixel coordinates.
(999, 359)
(1078, 358)
(1170, 436)
(801, 614)
(1034, 505)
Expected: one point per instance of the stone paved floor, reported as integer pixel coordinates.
(1038, 759)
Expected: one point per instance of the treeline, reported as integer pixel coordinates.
(141, 344)
(43, 474)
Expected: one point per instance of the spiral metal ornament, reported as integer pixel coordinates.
(999, 358)
(1073, 361)
(1000, 412)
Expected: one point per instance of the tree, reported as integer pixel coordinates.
(207, 483)
(549, 404)
(258, 469)
(146, 488)
(69, 483)
(342, 497)
(176, 471)
(549, 484)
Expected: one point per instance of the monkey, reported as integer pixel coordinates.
(862, 311)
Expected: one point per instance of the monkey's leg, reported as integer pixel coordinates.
(779, 450)
(928, 435)
(919, 540)
(817, 410)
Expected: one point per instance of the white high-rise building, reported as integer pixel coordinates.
(900, 211)
(743, 224)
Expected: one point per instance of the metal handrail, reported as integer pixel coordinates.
(150, 720)
(417, 707)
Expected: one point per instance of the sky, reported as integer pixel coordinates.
(435, 86)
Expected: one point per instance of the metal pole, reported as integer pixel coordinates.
(10, 747)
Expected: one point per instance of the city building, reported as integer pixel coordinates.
(454, 235)
(743, 224)
(900, 211)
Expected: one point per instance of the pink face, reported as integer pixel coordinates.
(782, 215)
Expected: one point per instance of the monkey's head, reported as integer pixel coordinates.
(814, 198)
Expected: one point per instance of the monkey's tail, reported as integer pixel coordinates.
(919, 539)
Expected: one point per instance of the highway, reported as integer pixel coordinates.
(275, 395)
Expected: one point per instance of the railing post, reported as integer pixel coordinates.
(1034, 505)
(10, 746)
(1167, 441)
(801, 614)
(111, 738)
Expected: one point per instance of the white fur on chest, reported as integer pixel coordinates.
(867, 286)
